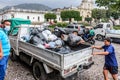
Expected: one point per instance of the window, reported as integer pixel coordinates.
(88, 5)
(82, 26)
(28, 17)
(12, 15)
(76, 27)
(59, 18)
(70, 26)
(99, 26)
(38, 18)
(108, 25)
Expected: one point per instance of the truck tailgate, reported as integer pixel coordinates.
(77, 57)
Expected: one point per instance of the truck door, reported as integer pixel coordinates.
(108, 27)
(99, 30)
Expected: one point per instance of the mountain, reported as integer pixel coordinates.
(30, 6)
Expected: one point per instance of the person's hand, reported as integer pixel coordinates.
(93, 47)
(94, 54)
(81, 42)
(1, 55)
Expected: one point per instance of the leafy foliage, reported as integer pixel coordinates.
(59, 25)
(98, 13)
(88, 19)
(50, 16)
(69, 14)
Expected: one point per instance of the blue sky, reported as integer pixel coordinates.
(50, 3)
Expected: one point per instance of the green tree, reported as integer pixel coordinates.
(112, 6)
(69, 14)
(50, 16)
(98, 14)
(88, 19)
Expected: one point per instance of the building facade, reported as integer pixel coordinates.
(33, 15)
(86, 8)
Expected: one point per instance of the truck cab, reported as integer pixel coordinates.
(100, 30)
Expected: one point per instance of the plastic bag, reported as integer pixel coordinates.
(64, 50)
(73, 39)
(41, 46)
(49, 36)
(59, 43)
(52, 45)
(36, 40)
(34, 31)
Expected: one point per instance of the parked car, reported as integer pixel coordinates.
(74, 27)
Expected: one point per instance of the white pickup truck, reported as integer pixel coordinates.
(45, 62)
(103, 30)
(100, 30)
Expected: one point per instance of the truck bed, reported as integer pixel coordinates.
(114, 37)
(57, 60)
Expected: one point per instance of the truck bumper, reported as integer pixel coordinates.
(87, 66)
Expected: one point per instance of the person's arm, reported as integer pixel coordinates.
(97, 47)
(101, 53)
(108, 51)
(81, 42)
(1, 53)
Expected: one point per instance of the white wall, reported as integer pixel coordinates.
(58, 18)
(32, 16)
(5, 16)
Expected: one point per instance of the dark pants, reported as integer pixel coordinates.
(3, 66)
(112, 69)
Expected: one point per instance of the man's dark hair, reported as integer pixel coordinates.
(75, 32)
(108, 39)
(5, 21)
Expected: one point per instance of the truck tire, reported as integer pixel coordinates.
(39, 72)
(100, 37)
(13, 56)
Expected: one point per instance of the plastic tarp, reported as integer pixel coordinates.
(17, 22)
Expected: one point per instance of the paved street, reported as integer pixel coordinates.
(20, 71)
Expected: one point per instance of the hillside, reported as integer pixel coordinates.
(30, 6)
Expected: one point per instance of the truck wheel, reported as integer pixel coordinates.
(39, 72)
(13, 56)
(100, 37)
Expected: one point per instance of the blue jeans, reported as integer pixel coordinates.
(3, 66)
